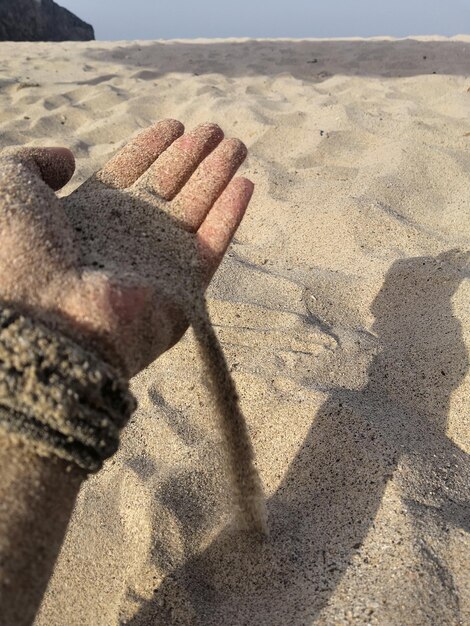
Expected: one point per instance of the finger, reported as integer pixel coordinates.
(221, 223)
(56, 165)
(138, 155)
(174, 167)
(32, 221)
(201, 191)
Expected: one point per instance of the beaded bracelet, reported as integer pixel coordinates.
(62, 398)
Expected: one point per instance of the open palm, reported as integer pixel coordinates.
(118, 256)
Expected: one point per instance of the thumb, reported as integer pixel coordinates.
(35, 232)
(54, 165)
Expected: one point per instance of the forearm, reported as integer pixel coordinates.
(37, 496)
(61, 411)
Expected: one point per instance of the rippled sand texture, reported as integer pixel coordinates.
(343, 310)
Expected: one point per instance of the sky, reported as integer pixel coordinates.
(181, 19)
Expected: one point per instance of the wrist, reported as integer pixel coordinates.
(24, 459)
(64, 399)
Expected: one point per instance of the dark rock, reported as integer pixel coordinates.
(40, 20)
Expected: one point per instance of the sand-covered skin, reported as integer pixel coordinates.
(342, 307)
(137, 237)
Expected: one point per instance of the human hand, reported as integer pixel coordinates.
(109, 262)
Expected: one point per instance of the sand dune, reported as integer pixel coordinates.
(342, 306)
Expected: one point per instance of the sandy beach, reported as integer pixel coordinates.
(343, 310)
